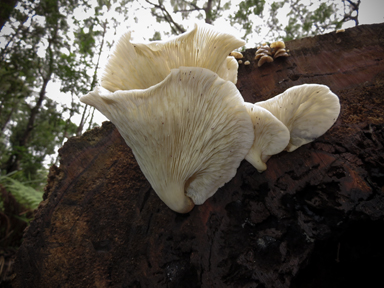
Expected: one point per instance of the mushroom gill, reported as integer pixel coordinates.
(188, 133)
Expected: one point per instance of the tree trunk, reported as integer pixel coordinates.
(314, 218)
(13, 163)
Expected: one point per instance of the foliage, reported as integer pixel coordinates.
(14, 218)
(305, 18)
(28, 114)
(246, 9)
(24, 194)
(17, 202)
(303, 22)
(43, 42)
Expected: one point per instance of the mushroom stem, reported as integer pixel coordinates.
(255, 160)
(174, 197)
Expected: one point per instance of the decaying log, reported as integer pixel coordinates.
(313, 219)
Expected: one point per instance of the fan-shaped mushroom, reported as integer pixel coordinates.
(271, 136)
(188, 133)
(307, 110)
(139, 66)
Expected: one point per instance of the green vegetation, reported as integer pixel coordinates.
(23, 193)
(304, 18)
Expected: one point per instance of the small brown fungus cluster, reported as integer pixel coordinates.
(267, 53)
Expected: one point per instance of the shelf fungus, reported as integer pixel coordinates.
(266, 53)
(271, 136)
(307, 110)
(188, 133)
(140, 66)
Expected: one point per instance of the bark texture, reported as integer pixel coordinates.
(313, 219)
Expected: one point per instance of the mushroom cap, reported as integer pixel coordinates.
(308, 111)
(264, 50)
(277, 45)
(264, 59)
(188, 133)
(139, 66)
(280, 53)
(271, 136)
(236, 54)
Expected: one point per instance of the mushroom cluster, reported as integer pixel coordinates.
(187, 123)
(266, 53)
(289, 120)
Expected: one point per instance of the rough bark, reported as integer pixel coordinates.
(313, 219)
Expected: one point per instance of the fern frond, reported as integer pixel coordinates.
(25, 195)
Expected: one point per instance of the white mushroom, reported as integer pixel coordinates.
(307, 110)
(188, 133)
(271, 136)
(139, 66)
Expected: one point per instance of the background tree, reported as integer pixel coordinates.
(23, 62)
(6, 7)
(351, 11)
(302, 19)
(45, 43)
(42, 43)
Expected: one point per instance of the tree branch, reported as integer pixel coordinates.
(188, 10)
(352, 7)
(176, 28)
